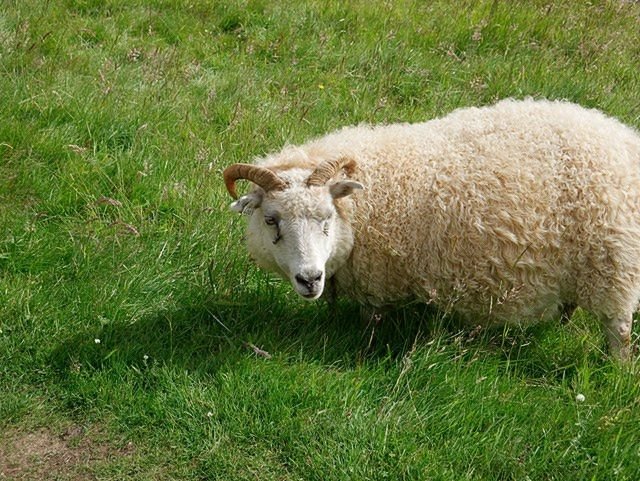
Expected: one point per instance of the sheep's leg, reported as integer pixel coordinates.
(618, 331)
(567, 313)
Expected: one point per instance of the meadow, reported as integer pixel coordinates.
(138, 341)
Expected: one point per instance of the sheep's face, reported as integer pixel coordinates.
(299, 232)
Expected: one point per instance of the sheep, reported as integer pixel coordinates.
(504, 214)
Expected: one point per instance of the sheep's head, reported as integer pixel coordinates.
(297, 226)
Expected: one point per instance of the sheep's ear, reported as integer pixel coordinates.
(344, 188)
(247, 203)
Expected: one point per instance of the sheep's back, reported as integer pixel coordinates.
(495, 210)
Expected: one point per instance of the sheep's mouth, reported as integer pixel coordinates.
(309, 294)
(309, 289)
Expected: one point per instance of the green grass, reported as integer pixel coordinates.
(116, 120)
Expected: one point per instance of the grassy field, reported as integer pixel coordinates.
(137, 341)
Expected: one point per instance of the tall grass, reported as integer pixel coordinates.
(128, 306)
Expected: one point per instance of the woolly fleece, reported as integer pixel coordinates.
(501, 213)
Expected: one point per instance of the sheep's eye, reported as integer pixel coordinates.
(272, 221)
(325, 227)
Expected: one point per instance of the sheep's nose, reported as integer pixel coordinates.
(309, 279)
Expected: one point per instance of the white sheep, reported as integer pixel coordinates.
(504, 213)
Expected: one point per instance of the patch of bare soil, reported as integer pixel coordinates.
(45, 455)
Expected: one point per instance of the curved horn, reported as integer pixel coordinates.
(265, 178)
(327, 169)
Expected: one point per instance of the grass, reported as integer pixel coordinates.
(116, 120)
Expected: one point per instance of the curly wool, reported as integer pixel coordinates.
(505, 212)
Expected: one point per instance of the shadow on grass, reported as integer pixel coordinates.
(207, 333)
(204, 334)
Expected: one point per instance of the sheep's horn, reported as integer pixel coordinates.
(327, 169)
(265, 178)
